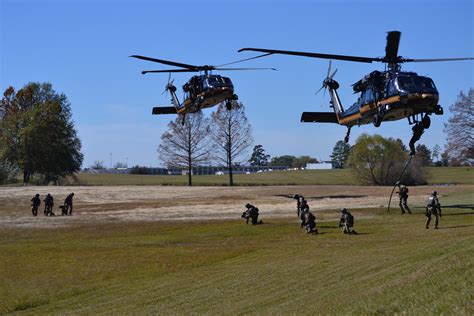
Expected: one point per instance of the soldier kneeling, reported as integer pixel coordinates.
(346, 221)
(311, 223)
(252, 214)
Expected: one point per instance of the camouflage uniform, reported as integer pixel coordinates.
(346, 221)
(48, 205)
(311, 223)
(251, 213)
(304, 210)
(433, 207)
(298, 199)
(67, 208)
(35, 203)
(403, 195)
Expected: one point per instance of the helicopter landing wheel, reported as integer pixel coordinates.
(228, 105)
(426, 121)
(377, 120)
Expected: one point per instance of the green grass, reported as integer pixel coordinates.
(393, 265)
(448, 175)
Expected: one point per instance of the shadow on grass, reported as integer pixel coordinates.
(457, 214)
(454, 227)
(463, 206)
(341, 196)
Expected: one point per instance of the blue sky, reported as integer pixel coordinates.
(81, 47)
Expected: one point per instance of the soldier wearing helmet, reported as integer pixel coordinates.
(433, 208)
(346, 221)
(251, 213)
(35, 203)
(403, 195)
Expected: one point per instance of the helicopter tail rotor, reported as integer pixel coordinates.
(169, 85)
(326, 81)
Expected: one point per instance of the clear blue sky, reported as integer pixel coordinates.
(81, 47)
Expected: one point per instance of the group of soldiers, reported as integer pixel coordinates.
(66, 208)
(433, 207)
(346, 222)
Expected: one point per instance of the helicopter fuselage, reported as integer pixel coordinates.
(387, 96)
(205, 91)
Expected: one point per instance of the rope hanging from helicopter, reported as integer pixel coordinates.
(398, 181)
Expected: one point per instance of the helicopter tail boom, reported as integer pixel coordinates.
(164, 110)
(319, 117)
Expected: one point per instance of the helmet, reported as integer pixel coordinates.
(296, 196)
(343, 210)
(37, 194)
(248, 205)
(72, 194)
(434, 193)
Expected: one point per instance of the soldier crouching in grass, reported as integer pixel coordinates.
(251, 213)
(346, 222)
(433, 207)
(311, 223)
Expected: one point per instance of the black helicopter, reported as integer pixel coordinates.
(200, 92)
(387, 95)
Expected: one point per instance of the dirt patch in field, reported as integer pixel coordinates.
(165, 203)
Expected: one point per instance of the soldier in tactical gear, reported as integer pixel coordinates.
(403, 195)
(298, 199)
(346, 221)
(35, 203)
(418, 130)
(67, 207)
(304, 207)
(251, 213)
(48, 205)
(311, 223)
(433, 207)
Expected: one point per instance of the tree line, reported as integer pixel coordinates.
(37, 135)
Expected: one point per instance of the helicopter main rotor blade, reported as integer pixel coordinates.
(169, 70)
(329, 68)
(167, 62)
(436, 59)
(242, 60)
(245, 69)
(314, 55)
(391, 49)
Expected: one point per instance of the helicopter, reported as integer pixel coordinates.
(387, 95)
(201, 91)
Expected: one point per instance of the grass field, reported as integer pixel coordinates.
(392, 266)
(448, 175)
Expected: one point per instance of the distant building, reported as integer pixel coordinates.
(319, 165)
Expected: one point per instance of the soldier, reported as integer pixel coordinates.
(311, 223)
(298, 198)
(35, 203)
(304, 211)
(418, 130)
(67, 208)
(433, 207)
(346, 221)
(251, 213)
(48, 205)
(403, 195)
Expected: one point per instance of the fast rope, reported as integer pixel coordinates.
(401, 174)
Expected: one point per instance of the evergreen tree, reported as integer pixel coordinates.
(259, 158)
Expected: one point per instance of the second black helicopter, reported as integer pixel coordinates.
(201, 91)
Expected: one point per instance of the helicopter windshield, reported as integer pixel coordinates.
(217, 82)
(416, 84)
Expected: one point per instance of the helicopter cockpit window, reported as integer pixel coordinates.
(416, 84)
(392, 89)
(212, 82)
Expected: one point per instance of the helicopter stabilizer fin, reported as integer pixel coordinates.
(164, 110)
(319, 117)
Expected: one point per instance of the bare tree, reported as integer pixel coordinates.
(232, 135)
(186, 145)
(460, 129)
